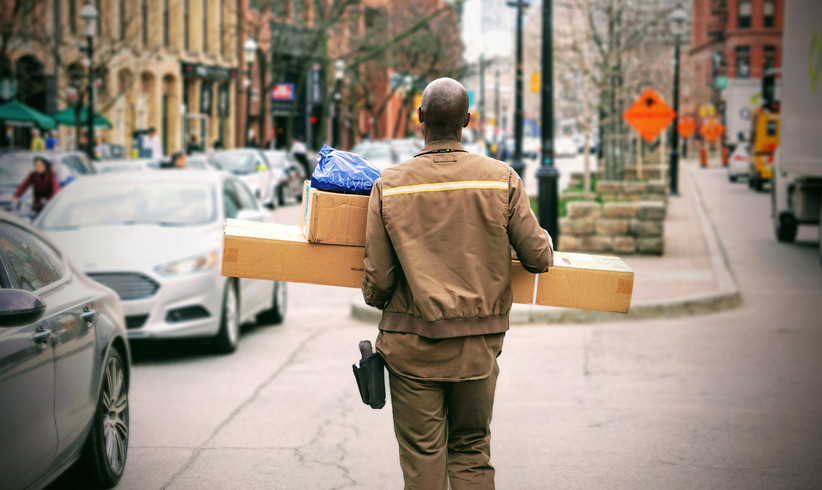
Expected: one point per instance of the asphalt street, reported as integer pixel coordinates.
(723, 400)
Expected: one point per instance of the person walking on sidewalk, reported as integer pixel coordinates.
(438, 264)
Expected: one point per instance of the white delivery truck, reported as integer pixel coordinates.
(742, 96)
(796, 190)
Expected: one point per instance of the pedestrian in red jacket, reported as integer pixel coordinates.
(43, 181)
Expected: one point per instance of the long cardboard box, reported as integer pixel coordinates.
(331, 217)
(282, 253)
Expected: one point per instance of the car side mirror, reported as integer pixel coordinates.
(19, 307)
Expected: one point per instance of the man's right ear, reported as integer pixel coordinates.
(420, 114)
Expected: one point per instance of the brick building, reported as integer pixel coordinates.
(735, 38)
(168, 64)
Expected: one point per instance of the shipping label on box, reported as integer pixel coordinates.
(334, 218)
(282, 253)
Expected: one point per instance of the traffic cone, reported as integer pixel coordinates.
(703, 157)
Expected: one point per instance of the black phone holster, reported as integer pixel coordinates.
(370, 375)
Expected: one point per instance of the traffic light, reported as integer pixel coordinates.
(769, 101)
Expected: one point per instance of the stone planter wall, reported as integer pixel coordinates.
(631, 220)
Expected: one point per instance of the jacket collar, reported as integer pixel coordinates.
(441, 145)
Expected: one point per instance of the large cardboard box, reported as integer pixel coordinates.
(282, 253)
(334, 218)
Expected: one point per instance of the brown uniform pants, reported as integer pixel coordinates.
(443, 430)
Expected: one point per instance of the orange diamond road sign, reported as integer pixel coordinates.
(686, 126)
(712, 130)
(649, 115)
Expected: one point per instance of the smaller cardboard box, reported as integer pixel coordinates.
(333, 218)
(282, 253)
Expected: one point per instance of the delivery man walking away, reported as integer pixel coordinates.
(438, 263)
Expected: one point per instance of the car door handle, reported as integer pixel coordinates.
(42, 335)
(88, 314)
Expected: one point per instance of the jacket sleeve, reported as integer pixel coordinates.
(55, 183)
(381, 266)
(533, 245)
(23, 186)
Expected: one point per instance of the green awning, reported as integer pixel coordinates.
(66, 117)
(16, 113)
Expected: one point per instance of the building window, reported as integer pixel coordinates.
(769, 14)
(73, 16)
(166, 25)
(743, 15)
(185, 24)
(768, 58)
(121, 8)
(144, 15)
(279, 8)
(205, 26)
(222, 28)
(743, 61)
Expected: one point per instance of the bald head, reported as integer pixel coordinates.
(444, 108)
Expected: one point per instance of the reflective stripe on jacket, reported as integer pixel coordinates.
(438, 243)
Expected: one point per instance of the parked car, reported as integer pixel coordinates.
(565, 147)
(15, 166)
(127, 165)
(64, 366)
(379, 153)
(155, 238)
(287, 177)
(738, 162)
(252, 167)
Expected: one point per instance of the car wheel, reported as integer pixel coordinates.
(785, 227)
(107, 445)
(732, 178)
(279, 305)
(226, 340)
(281, 195)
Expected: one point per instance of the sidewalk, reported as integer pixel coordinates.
(692, 276)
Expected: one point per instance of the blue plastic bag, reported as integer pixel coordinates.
(342, 171)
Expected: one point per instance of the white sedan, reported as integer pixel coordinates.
(155, 238)
(252, 167)
(738, 162)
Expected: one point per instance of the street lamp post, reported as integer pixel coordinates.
(89, 15)
(547, 173)
(339, 74)
(516, 161)
(677, 20)
(250, 51)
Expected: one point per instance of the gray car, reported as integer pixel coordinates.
(64, 366)
(155, 238)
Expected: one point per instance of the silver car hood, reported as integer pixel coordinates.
(135, 247)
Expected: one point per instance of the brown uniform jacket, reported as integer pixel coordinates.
(439, 234)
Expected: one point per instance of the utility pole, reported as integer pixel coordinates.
(516, 161)
(547, 174)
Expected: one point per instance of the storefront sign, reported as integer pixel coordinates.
(282, 92)
(208, 71)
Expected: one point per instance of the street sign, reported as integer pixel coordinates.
(721, 82)
(649, 115)
(282, 92)
(686, 126)
(536, 82)
(711, 130)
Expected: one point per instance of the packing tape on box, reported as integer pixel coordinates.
(536, 287)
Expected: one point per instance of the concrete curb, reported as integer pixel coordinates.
(725, 297)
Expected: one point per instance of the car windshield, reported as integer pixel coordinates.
(236, 163)
(138, 203)
(13, 169)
